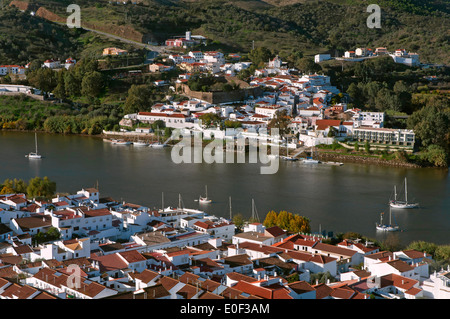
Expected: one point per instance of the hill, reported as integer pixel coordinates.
(284, 26)
(25, 37)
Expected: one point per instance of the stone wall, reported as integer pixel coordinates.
(219, 97)
(337, 157)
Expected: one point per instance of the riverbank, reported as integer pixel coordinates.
(364, 159)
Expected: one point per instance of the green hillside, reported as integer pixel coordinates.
(308, 26)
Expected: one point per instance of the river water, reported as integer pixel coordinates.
(335, 198)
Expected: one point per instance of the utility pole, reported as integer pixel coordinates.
(231, 214)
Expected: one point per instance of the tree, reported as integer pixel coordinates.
(13, 186)
(387, 100)
(92, 84)
(72, 84)
(41, 187)
(139, 99)
(367, 147)
(259, 56)
(356, 94)
(60, 90)
(288, 221)
(238, 221)
(436, 156)
(50, 235)
(158, 125)
(210, 120)
(423, 246)
(271, 219)
(307, 65)
(44, 79)
(281, 121)
(391, 243)
(443, 253)
(431, 125)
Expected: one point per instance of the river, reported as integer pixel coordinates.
(335, 198)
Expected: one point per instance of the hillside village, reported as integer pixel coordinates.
(309, 101)
(128, 251)
(317, 110)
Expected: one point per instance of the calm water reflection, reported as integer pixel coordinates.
(339, 199)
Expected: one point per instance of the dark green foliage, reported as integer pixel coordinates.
(42, 188)
(50, 235)
(24, 38)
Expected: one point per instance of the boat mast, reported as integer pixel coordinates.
(231, 214)
(180, 202)
(35, 141)
(255, 216)
(162, 201)
(406, 191)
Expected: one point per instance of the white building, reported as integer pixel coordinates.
(438, 285)
(213, 57)
(52, 64)
(197, 55)
(384, 136)
(401, 56)
(11, 69)
(67, 249)
(218, 229)
(369, 119)
(176, 120)
(272, 110)
(321, 57)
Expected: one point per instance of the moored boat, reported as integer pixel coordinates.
(402, 204)
(34, 155)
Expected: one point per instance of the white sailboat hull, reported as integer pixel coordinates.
(140, 144)
(311, 161)
(157, 145)
(387, 228)
(204, 200)
(403, 205)
(33, 156)
(288, 158)
(122, 143)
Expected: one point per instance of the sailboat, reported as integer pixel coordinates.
(384, 227)
(310, 159)
(34, 155)
(205, 200)
(121, 142)
(140, 143)
(400, 203)
(158, 144)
